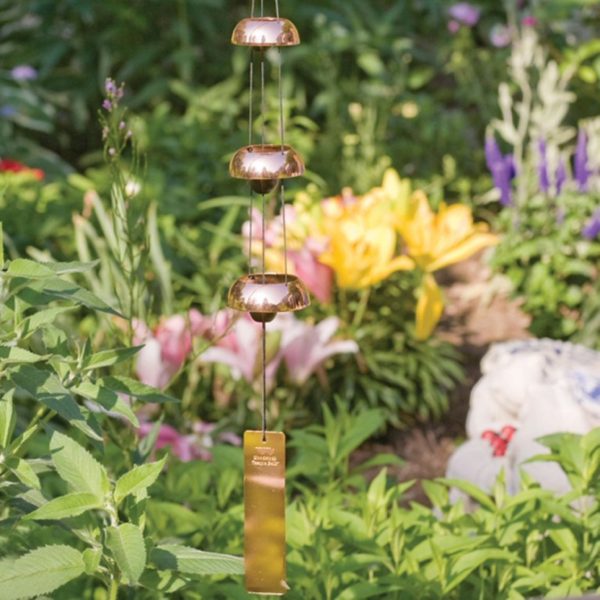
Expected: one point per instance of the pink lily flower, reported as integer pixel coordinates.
(189, 447)
(317, 276)
(305, 347)
(239, 350)
(166, 349)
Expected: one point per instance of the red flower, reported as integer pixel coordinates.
(8, 165)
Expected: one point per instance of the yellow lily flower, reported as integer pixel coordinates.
(362, 255)
(437, 240)
(430, 307)
(362, 241)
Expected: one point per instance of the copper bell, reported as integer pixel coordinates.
(265, 164)
(264, 295)
(264, 32)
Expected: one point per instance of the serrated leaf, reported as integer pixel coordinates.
(126, 543)
(46, 388)
(132, 387)
(71, 505)
(107, 399)
(24, 473)
(7, 419)
(107, 358)
(78, 467)
(13, 354)
(138, 479)
(195, 562)
(41, 571)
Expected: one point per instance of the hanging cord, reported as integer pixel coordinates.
(264, 381)
(282, 136)
(262, 95)
(285, 261)
(250, 128)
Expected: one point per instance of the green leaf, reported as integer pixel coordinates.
(23, 471)
(195, 562)
(91, 558)
(71, 505)
(137, 389)
(162, 581)
(56, 288)
(107, 358)
(126, 543)
(469, 562)
(380, 460)
(139, 478)
(41, 571)
(78, 467)
(7, 419)
(107, 399)
(29, 269)
(360, 430)
(13, 354)
(471, 490)
(46, 388)
(42, 318)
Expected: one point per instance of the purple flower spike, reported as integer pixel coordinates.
(23, 73)
(502, 168)
(543, 168)
(582, 173)
(591, 229)
(107, 105)
(561, 176)
(465, 13)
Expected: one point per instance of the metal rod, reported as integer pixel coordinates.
(250, 239)
(250, 131)
(262, 8)
(263, 238)
(277, 8)
(262, 94)
(281, 117)
(251, 100)
(252, 9)
(264, 383)
(285, 261)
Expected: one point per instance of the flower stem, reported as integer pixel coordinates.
(113, 592)
(362, 307)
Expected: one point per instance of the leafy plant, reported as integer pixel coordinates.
(349, 538)
(57, 395)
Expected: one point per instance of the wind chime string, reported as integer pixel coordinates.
(282, 135)
(264, 381)
(250, 127)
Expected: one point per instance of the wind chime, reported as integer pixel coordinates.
(264, 295)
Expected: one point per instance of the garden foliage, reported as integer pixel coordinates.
(121, 375)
